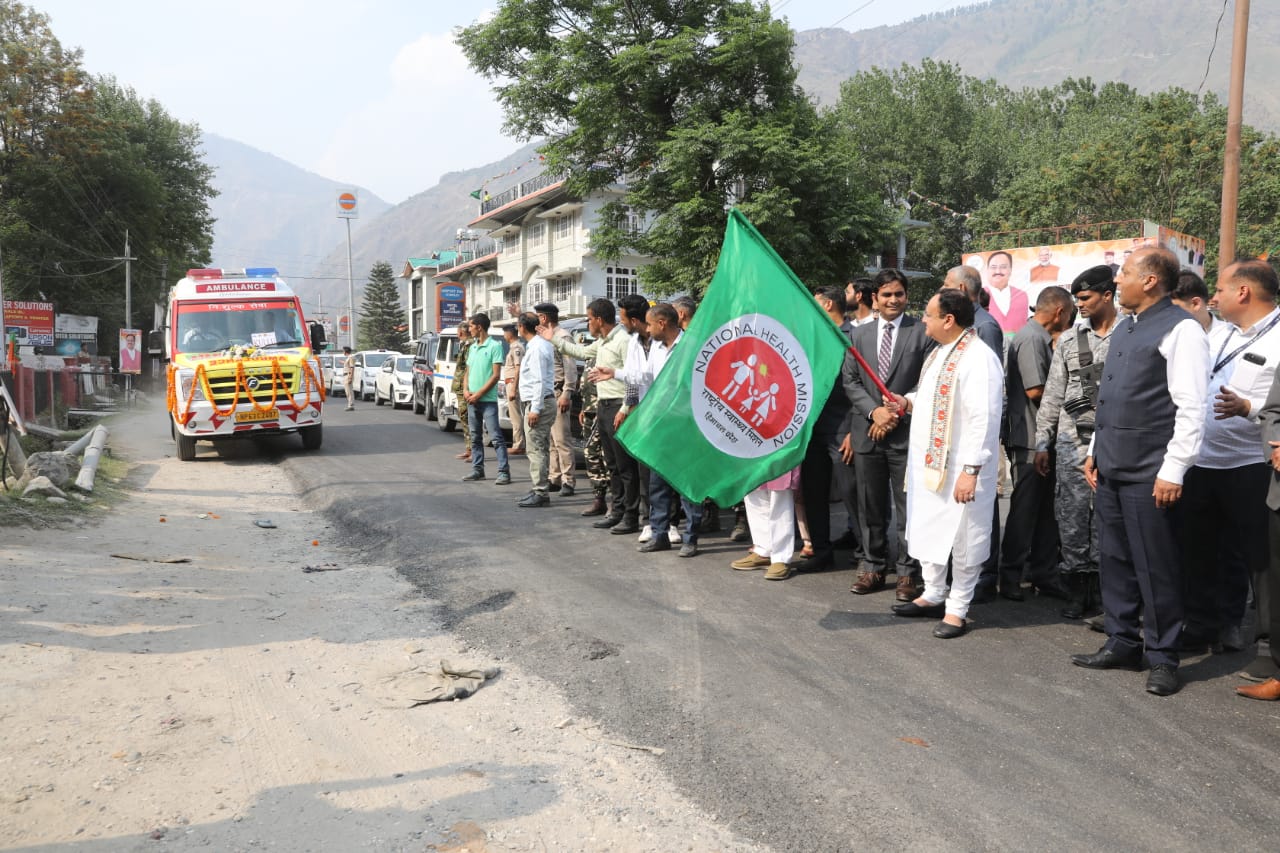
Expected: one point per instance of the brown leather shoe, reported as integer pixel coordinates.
(1268, 690)
(598, 507)
(867, 582)
(907, 589)
(466, 454)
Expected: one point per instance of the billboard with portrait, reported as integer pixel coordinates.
(130, 351)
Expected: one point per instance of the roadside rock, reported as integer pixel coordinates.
(57, 466)
(41, 486)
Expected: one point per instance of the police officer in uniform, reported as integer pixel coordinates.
(1064, 426)
(459, 385)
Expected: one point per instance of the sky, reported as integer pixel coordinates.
(368, 92)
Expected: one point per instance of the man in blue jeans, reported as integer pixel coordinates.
(484, 364)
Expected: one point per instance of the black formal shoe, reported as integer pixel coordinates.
(534, 499)
(566, 491)
(1052, 589)
(1012, 592)
(657, 543)
(554, 487)
(1230, 639)
(473, 477)
(985, 595)
(1097, 622)
(1105, 658)
(912, 610)
(1163, 679)
(947, 631)
(607, 521)
(624, 528)
(816, 563)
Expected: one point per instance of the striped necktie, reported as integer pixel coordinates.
(886, 351)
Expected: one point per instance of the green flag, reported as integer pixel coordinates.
(736, 402)
(476, 193)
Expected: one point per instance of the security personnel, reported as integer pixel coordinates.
(460, 383)
(1064, 426)
(597, 470)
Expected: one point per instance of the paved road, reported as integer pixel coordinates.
(801, 715)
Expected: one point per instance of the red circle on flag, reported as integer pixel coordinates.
(753, 381)
(347, 201)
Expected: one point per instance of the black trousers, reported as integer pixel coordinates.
(1141, 570)
(1222, 521)
(1030, 543)
(624, 472)
(1269, 602)
(881, 475)
(822, 466)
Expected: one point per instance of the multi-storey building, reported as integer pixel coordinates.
(540, 240)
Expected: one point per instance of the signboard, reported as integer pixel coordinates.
(32, 322)
(451, 305)
(348, 204)
(1014, 277)
(130, 353)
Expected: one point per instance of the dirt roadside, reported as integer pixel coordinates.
(238, 702)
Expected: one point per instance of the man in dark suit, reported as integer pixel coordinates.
(894, 346)
(829, 458)
(966, 278)
(1148, 430)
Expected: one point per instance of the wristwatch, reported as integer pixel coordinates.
(972, 469)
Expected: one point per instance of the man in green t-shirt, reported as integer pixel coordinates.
(484, 365)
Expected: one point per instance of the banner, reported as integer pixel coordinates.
(32, 322)
(736, 402)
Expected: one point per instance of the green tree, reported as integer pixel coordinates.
(83, 160)
(691, 107)
(383, 322)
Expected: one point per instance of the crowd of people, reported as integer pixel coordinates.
(1138, 433)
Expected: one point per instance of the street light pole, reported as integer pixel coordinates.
(351, 293)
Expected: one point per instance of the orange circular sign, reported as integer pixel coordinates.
(343, 324)
(347, 201)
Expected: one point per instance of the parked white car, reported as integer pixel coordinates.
(393, 383)
(367, 363)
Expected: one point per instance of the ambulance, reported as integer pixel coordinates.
(241, 360)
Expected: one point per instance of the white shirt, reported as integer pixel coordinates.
(1186, 357)
(537, 373)
(1235, 442)
(1001, 296)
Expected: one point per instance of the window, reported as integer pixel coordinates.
(537, 235)
(632, 223)
(537, 291)
(564, 227)
(510, 242)
(561, 291)
(619, 282)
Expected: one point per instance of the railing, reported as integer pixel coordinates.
(52, 397)
(520, 190)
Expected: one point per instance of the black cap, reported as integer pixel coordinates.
(346, 349)
(1098, 279)
(548, 308)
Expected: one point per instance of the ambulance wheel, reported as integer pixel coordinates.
(186, 447)
(312, 437)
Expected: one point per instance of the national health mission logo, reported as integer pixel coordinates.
(752, 387)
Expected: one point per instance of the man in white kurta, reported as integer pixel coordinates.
(951, 462)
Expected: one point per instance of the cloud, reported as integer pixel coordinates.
(434, 115)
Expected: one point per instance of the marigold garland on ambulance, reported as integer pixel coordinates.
(241, 363)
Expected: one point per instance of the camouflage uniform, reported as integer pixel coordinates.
(458, 387)
(1060, 429)
(597, 471)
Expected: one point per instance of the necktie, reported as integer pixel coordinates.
(886, 351)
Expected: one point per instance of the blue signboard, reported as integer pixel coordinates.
(451, 305)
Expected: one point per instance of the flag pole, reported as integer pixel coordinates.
(875, 377)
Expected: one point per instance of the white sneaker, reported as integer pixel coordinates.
(646, 534)
(673, 536)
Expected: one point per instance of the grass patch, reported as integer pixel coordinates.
(109, 490)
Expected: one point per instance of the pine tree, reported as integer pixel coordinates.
(383, 322)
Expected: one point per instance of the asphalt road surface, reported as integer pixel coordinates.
(799, 714)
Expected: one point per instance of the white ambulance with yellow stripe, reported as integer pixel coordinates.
(241, 360)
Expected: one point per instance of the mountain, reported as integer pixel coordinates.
(273, 213)
(1149, 44)
(270, 212)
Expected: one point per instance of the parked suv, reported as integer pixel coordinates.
(444, 405)
(424, 353)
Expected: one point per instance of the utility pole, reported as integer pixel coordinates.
(128, 282)
(1231, 155)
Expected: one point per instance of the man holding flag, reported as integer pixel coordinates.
(736, 403)
(951, 462)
